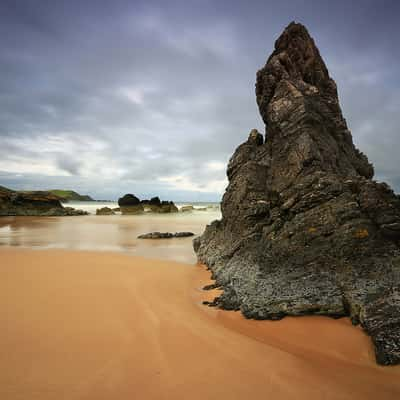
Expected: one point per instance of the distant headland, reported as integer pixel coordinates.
(70, 195)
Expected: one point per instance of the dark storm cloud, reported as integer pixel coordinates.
(153, 97)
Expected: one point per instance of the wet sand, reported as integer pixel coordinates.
(90, 325)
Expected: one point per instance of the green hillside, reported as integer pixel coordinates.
(68, 195)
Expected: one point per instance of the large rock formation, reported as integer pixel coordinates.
(36, 203)
(305, 229)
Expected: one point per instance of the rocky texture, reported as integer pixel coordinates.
(305, 229)
(165, 235)
(152, 205)
(167, 207)
(63, 212)
(35, 203)
(105, 211)
(157, 206)
(130, 204)
(183, 234)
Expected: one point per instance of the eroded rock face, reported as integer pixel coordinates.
(36, 203)
(305, 229)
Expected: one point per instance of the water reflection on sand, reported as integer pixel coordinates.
(107, 233)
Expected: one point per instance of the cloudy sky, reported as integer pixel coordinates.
(152, 97)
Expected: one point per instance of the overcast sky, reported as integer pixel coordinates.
(152, 97)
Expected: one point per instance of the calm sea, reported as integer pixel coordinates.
(111, 233)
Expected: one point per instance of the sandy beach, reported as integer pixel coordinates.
(91, 325)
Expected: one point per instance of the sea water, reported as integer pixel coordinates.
(111, 232)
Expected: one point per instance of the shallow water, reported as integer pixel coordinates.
(108, 233)
(92, 206)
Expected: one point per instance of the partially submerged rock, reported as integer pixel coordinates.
(165, 235)
(167, 207)
(64, 212)
(187, 209)
(105, 211)
(183, 234)
(130, 204)
(305, 229)
(152, 205)
(33, 203)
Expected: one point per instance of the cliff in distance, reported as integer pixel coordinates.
(33, 203)
(305, 229)
(70, 195)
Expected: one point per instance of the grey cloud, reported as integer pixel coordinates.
(138, 90)
(67, 164)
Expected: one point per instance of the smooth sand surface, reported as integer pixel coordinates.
(86, 325)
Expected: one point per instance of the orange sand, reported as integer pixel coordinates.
(80, 325)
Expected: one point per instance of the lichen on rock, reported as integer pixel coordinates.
(304, 228)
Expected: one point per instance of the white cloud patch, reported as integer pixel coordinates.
(216, 166)
(134, 95)
(184, 183)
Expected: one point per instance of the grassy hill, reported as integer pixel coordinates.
(4, 189)
(68, 195)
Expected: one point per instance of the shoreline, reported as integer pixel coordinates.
(111, 325)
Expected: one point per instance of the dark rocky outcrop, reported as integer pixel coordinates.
(130, 204)
(165, 235)
(105, 211)
(153, 205)
(35, 203)
(305, 229)
(157, 206)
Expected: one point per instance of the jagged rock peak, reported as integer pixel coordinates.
(299, 104)
(295, 58)
(303, 60)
